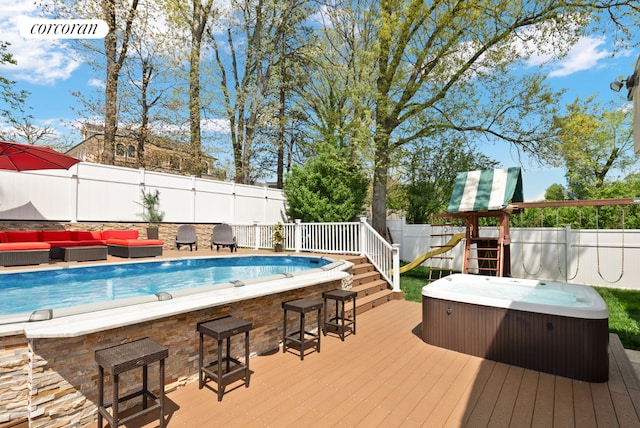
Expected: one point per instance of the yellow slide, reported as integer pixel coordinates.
(446, 247)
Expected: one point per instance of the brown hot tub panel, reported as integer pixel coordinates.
(566, 346)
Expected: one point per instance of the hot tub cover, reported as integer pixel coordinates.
(486, 190)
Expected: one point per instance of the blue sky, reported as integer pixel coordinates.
(51, 70)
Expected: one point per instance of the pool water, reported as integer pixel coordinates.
(66, 287)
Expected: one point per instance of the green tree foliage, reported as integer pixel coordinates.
(592, 142)
(328, 188)
(431, 172)
(556, 192)
(437, 66)
(11, 100)
(604, 217)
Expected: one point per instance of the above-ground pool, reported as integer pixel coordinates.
(553, 327)
(40, 293)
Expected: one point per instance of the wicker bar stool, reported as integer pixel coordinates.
(340, 322)
(225, 367)
(121, 358)
(301, 339)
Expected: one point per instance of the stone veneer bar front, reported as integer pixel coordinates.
(48, 374)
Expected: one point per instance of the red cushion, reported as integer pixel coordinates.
(119, 234)
(55, 235)
(134, 242)
(87, 235)
(63, 243)
(14, 246)
(22, 235)
(88, 242)
(3, 237)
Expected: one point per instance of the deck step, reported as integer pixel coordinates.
(361, 268)
(372, 289)
(372, 301)
(366, 277)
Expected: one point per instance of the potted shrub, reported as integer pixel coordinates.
(150, 202)
(278, 237)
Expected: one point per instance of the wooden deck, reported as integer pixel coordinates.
(387, 376)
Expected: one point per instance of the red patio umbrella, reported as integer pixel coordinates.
(26, 157)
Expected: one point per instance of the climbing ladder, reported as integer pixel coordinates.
(487, 255)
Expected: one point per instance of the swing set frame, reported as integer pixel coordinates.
(503, 254)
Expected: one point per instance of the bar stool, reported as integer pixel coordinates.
(221, 370)
(340, 322)
(121, 358)
(301, 339)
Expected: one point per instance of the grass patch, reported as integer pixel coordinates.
(411, 283)
(624, 305)
(624, 314)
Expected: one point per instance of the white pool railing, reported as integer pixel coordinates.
(333, 238)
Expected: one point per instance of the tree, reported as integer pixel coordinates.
(25, 130)
(259, 68)
(592, 142)
(144, 88)
(327, 188)
(116, 44)
(556, 192)
(11, 100)
(431, 171)
(446, 65)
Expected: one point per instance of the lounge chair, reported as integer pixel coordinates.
(222, 236)
(187, 236)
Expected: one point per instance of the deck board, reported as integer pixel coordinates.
(386, 376)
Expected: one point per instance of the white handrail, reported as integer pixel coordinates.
(339, 238)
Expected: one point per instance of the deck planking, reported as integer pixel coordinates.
(386, 376)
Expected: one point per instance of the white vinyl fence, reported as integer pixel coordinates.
(94, 192)
(101, 193)
(607, 258)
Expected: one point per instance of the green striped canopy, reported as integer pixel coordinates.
(486, 190)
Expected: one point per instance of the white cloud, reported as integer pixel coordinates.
(216, 125)
(96, 83)
(43, 62)
(584, 55)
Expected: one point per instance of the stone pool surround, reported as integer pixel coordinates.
(50, 380)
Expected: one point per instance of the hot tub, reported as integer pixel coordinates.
(552, 327)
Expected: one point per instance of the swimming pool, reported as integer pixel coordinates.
(38, 292)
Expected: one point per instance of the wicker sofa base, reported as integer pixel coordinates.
(135, 251)
(85, 253)
(24, 257)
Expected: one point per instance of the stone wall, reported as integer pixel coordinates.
(53, 382)
(14, 378)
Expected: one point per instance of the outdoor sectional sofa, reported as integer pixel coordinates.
(125, 243)
(31, 247)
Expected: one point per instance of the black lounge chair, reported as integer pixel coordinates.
(222, 236)
(187, 236)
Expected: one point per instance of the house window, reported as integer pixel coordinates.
(120, 149)
(131, 153)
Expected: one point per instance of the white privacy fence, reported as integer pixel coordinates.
(94, 192)
(340, 238)
(101, 193)
(607, 258)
